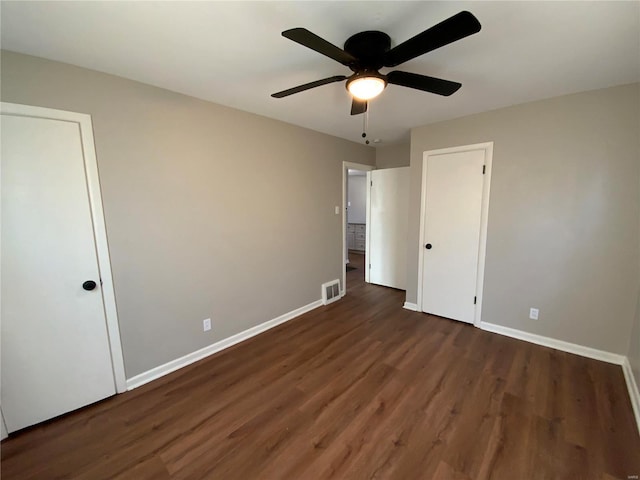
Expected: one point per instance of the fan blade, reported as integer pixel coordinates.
(422, 82)
(307, 86)
(314, 42)
(454, 28)
(358, 106)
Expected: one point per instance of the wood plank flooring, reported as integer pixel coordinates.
(359, 389)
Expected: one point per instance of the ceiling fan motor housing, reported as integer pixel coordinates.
(369, 48)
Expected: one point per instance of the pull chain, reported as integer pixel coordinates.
(365, 124)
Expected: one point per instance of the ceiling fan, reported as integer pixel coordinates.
(365, 53)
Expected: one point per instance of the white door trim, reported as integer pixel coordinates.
(4, 433)
(367, 238)
(99, 228)
(345, 175)
(484, 215)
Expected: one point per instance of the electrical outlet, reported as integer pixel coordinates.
(206, 324)
(533, 313)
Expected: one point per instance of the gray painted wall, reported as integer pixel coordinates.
(393, 156)
(563, 216)
(210, 211)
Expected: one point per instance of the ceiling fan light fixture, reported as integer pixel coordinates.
(366, 86)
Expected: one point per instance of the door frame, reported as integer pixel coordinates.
(97, 216)
(345, 176)
(484, 215)
(367, 238)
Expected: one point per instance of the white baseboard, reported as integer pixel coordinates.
(190, 358)
(410, 306)
(553, 343)
(634, 393)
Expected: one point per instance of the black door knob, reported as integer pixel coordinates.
(89, 285)
(428, 246)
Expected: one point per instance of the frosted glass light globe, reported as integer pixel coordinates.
(366, 88)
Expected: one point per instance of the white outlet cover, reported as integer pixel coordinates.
(337, 210)
(533, 313)
(206, 324)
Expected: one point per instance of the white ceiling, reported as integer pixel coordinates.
(232, 53)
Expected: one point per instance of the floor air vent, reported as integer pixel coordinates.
(330, 292)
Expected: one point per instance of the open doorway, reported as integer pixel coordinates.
(356, 213)
(354, 231)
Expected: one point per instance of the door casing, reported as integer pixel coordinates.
(482, 247)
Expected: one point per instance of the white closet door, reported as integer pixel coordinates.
(55, 348)
(452, 234)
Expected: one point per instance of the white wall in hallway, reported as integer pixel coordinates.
(357, 198)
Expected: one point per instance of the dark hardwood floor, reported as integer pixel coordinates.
(359, 389)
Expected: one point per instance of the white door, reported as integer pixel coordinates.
(452, 220)
(388, 226)
(55, 346)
